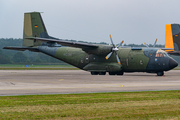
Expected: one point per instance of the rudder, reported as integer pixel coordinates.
(172, 38)
(168, 37)
(176, 36)
(33, 27)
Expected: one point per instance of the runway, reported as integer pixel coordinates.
(32, 82)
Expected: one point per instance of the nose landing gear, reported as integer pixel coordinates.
(160, 73)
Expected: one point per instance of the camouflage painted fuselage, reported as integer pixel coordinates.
(98, 59)
(90, 58)
(142, 60)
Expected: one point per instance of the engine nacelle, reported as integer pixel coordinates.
(101, 50)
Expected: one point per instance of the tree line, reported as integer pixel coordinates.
(22, 57)
(28, 57)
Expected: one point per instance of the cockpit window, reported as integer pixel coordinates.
(157, 54)
(165, 55)
(161, 53)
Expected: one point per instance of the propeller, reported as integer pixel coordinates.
(153, 45)
(155, 42)
(114, 49)
(146, 45)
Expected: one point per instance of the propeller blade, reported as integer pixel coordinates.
(155, 43)
(118, 60)
(146, 45)
(114, 49)
(120, 44)
(111, 40)
(109, 55)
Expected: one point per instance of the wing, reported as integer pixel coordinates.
(22, 48)
(65, 43)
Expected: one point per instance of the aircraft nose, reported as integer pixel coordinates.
(172, 63)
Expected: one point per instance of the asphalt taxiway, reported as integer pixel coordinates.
(24, 82)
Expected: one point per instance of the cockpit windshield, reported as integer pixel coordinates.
(165, 54)
(161, 53)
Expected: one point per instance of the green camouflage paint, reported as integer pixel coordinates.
(92, 57)
(33, 27)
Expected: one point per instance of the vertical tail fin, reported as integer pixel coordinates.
(172, 37)
(33, 27)
(169, 37)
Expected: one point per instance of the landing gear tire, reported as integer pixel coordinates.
(94, 73)
(116, 73)
(112, 73)
(102, 73)
(120, 73)
(160, 73)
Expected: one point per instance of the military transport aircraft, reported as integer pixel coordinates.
(95, 58)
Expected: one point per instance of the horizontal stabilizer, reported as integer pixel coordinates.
(22, 48)
(65, 43)
(176, 53)
(167, 49)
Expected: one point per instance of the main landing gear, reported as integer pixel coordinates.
(160, 73)
(98, 73)
(116, 73)
(104, 73)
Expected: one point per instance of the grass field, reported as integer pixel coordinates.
(33, 66)
(154, 105)
(177, 68)
(43, 67)
(36, 67)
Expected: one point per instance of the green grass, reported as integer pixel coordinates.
(125, 105)
(43, 67)
(177, 68)
(36, 67)
(32, 66)
(23, 68)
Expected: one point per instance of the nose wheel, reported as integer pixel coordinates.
(160, 73)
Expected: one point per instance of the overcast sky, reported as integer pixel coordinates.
(135, 21)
